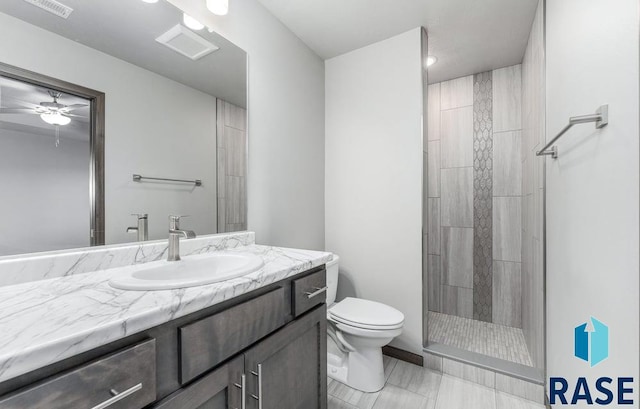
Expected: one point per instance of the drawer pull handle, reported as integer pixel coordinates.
(117, 397)
(316, 293)
(259, 375)
(243, 386)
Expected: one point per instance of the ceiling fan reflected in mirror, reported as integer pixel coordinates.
(51, 112)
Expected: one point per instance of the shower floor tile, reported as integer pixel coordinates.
(485, 338)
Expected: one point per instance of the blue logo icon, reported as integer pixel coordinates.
(592, 345)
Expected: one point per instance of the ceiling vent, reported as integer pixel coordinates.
(53, 7)
(187, 43)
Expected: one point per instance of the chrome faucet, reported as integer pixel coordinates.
(174, 237)
(143, 226)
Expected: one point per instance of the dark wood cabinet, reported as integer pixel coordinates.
(122, 380)
(202, 347)
(256, 351)
(220, 389)
(285, 370)
(289, 369)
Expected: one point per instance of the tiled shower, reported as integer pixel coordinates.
(484, 210)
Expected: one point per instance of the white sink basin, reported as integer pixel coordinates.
(191, 271)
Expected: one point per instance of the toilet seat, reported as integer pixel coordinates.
(366, 314)
(369, 333)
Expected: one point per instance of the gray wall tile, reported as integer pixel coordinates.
(457, 301)
(433, 168)
(456, 93)
(507, 100)
(482, 196)
(457, 257)
(433, 214)
(433, 112)
(507, 294)
(507, 232)
(457, 197)
(425, 191)
(456, 137)
(235, 145)
(235, 117)
(434, 283)
(507, 165)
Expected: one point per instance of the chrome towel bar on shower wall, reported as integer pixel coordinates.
(601, 118)
(138, 178)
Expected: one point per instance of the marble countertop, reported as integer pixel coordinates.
(43, 322)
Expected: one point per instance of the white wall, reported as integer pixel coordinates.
(154, 126)
(373, 176)
(286, 124)
(44, 192)
(592, 188)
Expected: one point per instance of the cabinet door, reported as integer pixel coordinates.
(288, 370)
(220, 389)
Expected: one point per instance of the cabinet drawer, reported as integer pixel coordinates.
(210, 341)
(126, 379)
(309, 291)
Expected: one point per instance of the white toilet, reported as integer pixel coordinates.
(357, 331)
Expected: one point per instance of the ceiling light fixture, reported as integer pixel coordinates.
(218, 7)
(191, 22)
(432, 59)
(55, 118)
(150, 1)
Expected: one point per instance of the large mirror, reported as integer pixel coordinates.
(113, 110)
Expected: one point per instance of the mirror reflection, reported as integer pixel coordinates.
(114, 116)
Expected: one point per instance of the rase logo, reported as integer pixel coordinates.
(591, 344)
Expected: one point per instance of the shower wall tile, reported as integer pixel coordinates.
(236, 146)
(533, 123)
(425, 190)
(457, 301)
(434, 283)
(433, 165)
(482, 196)
(433, 214)
(538, 214)
(507, 165)
(507, 99)
(433, 112)
(457, 257)
(457, 197)
(456, 93)
(231, 145)
(507, 222)
(527, 175)
(507, 294)
(456, 132)
(537, 303)
(235, 117)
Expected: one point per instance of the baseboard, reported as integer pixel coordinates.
(403, 355)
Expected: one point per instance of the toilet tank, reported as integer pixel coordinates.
(332, 279)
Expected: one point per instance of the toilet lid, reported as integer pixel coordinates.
(366, 314)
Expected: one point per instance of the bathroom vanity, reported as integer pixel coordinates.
(257, 341)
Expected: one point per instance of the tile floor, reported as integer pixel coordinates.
(482, 337)
(413, 387)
